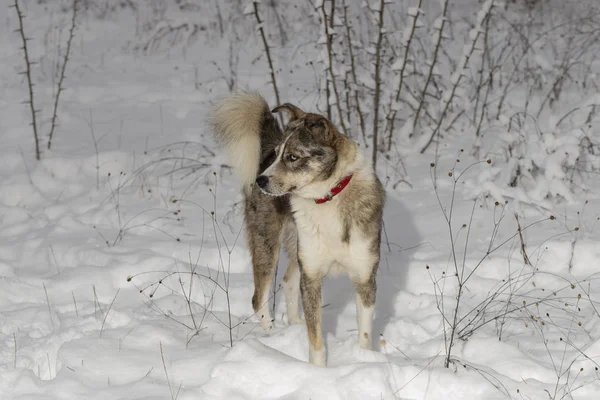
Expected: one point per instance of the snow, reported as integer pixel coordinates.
(249, 8)
(119, 270)
(414, 12)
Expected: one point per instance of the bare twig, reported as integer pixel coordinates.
(484, 56)
(97, 305)
(48, 302)
(523, 250)
(436, 51)
(329, 44)
(394, 109)
(108, 311)
(62, 73)
(354, 89)
(267, 50)
(377, 95)
(54, 258)
(91, 125)
(447, 100)
(162, 357)
(418, 373)
(27, 73)
(75, 303)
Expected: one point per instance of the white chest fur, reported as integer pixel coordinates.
(321, 247)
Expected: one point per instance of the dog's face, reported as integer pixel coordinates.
(307, 154)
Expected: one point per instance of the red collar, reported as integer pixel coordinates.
(335, 191)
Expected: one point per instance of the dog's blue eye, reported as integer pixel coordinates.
(292, 157)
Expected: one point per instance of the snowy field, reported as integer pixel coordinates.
(124, 272)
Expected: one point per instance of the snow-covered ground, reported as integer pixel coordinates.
(124, 272)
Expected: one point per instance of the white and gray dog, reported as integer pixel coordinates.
(311, 187)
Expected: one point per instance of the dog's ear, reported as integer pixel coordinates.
(321, 128)
(292, 111)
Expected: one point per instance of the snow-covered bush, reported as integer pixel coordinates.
(404, 77)
(540, 166)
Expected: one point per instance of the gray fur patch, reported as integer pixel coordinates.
(367, 290)
(364, 211)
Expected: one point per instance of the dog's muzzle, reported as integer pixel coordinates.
(262, 181)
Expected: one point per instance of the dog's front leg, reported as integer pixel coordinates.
(310, 288)
(365, 307)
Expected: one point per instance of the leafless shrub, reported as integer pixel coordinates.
(184, 283)
(555, 313)
(407, 40)
(27, 73)
(448, 96)
(377, 95)
(105, 8)
(351, 86)
(167, 34)
(61, 79)
(457, 322)
(266, 48)
(331, 81)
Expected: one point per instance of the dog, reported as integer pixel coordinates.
(310, 189)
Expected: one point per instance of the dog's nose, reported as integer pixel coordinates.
(262, 181)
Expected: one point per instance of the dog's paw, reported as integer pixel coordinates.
(296, 320)
(317, 357)
(267, 325)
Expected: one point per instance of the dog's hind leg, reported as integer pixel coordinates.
(291, 280)
(264, 262)
(264, 226)
(310, 287)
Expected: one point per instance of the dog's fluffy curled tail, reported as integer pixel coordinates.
(237, 126)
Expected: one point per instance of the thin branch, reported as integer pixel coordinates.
(62, 73)
(267, 51)
(377, 94)
(394, 109)
(361, 118)
(29, 82)
(329, 45)
(433, 62)
(523, 249)
(48, 302)
(162, 357)
(466, 57)
(108, 311)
